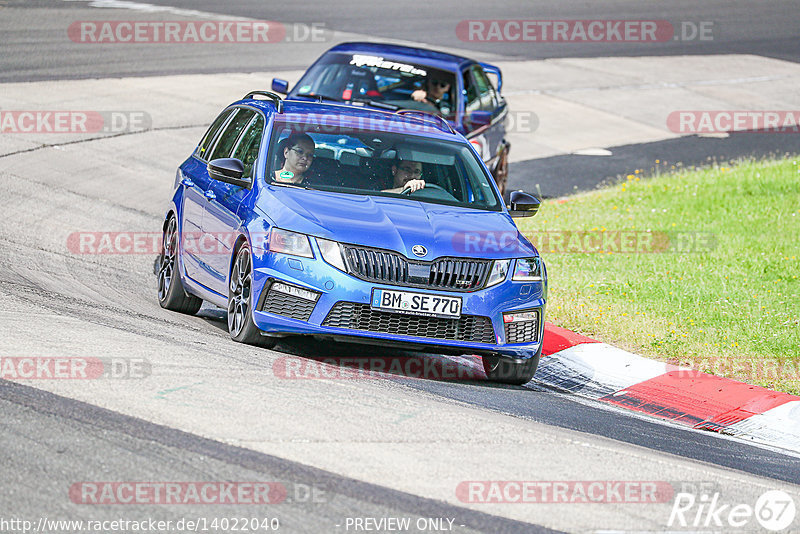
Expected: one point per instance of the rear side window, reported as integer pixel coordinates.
(485, 88)
(205, 144)
(472, 94)
(479, 90)
(247, 149)
(228, 138)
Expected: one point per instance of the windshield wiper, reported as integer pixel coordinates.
(376, 103)
(320, 98)
(286, 184)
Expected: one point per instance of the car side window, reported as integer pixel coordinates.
(486, 91)
(473, 102)
(227, 139)
(247, 149)
(205, 144)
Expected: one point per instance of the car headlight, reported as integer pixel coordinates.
(331, 253)
(527, 270)
(498, 272)
(290, 243)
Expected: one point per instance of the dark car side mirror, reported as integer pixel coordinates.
(229, 170)
(523, 204)
(280, 86)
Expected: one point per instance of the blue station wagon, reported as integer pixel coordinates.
(357, 225)
(400, 77)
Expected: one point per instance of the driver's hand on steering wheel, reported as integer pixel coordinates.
(414, 185)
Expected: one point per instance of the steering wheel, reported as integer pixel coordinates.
(407, 190)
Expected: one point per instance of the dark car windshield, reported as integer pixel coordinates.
(366, 77)
(357, 160)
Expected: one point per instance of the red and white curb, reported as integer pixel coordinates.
(588, 368)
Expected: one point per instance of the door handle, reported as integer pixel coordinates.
(210, 195)
(187, 182)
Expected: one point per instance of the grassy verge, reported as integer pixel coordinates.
(711, 273)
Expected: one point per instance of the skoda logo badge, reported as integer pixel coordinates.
(419, 250)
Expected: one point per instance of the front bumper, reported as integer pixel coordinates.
(342, 310)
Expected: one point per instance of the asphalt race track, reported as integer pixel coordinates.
(192, 406)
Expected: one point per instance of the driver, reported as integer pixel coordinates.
(406, 175)
(298, 154)
(435, 91)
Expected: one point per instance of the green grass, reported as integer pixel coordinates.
(730, 309)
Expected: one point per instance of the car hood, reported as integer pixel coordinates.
(395, 224)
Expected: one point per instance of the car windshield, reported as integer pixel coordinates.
(355, 160)
(371, 78)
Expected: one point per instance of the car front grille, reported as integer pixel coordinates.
(387, 267)
(523, 331)
(287, 305)
(357, 316)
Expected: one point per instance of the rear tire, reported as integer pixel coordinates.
(171, 294)
(240, 302)
(506, 371)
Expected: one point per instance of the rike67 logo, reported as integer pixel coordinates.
(774, 511)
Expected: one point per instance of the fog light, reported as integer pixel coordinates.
(520, 317)
(294, 291)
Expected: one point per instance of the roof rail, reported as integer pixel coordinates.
(426, 116)
(269, 94)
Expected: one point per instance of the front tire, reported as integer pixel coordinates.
(171, 294)
(240, 302)
(506, 371)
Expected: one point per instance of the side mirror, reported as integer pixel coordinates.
(229, 170)
(477, 119)
(280, 86)
(523, 204)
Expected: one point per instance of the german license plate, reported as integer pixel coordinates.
(416, 303)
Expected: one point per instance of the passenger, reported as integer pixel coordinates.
(298, 156)
(434, 94)
(406, 175)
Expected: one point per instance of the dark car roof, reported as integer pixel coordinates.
(432, 58)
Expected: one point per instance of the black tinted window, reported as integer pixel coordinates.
(361, 161)
(212, 132)
(228, 138)
(473, 96)
(485, 88)
(366, 77)
(247, 149)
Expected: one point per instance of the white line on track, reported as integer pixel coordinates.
(152, 8)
